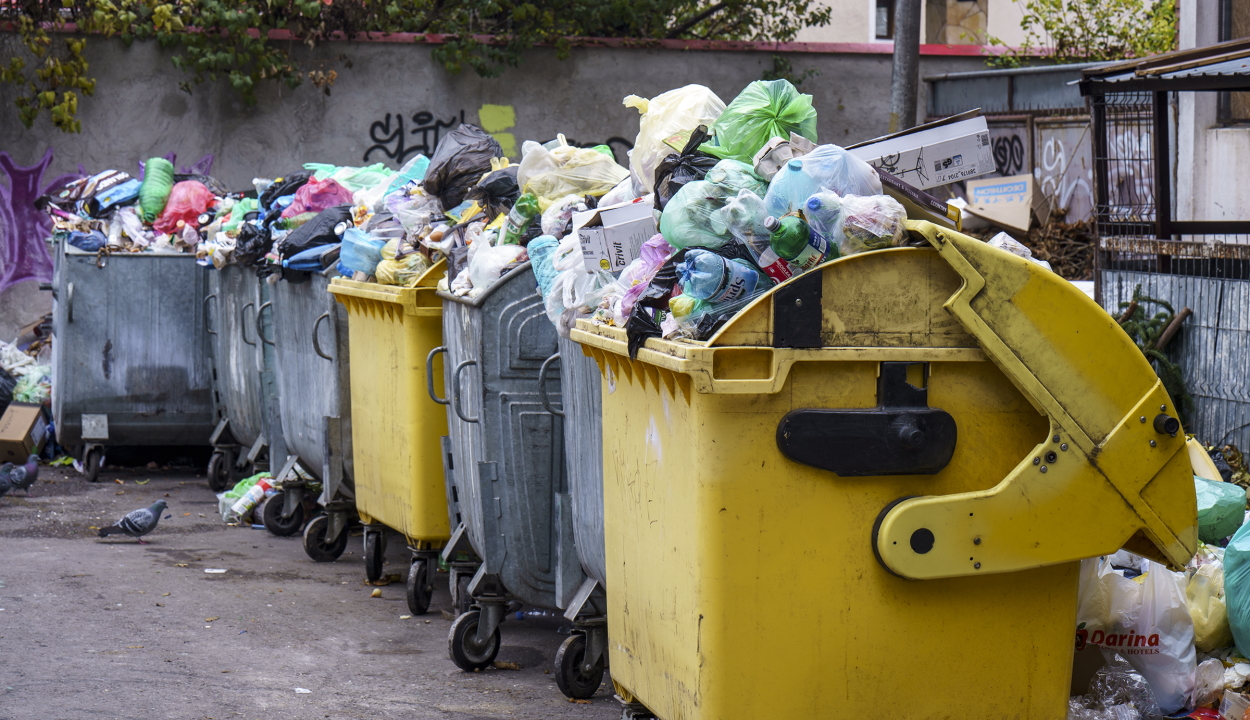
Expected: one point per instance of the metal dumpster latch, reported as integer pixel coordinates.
(901, 436)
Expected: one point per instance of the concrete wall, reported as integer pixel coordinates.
(139, 111)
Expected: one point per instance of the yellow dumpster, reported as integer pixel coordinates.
(395, 425)
(871, 489)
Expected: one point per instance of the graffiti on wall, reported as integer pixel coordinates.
(399, 138)
(1064, 166)
(1011, 146)
(23, 252)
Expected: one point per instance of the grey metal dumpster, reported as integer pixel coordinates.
(580, 661)
(130, 357)
(244, 396)
(314, 392)
(506, 457)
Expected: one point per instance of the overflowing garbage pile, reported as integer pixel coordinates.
(1176, 644)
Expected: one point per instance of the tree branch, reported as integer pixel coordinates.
(698, 18)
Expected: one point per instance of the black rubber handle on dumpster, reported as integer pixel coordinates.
(901, 436)
(797, 312)
(207, 329)
(260, 311)
(455, 391)
(243, 322)
(542, 385)
(315, 341)
(429, 375)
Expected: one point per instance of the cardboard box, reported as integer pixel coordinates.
(612, 236)
(940, 153)
(23, 432)
(1008, 201)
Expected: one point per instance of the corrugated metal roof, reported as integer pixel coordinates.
(1225, 66)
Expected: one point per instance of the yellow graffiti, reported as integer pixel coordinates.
(495, 119)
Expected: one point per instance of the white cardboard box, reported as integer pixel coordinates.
(612, 236)
(931, 155)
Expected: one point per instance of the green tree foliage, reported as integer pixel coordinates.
(235, 40)
(1077, 31)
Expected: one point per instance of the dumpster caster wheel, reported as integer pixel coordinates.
(463, 599)
(91, 464)
(220, 470)
(419, 587)
(462, 644)
(375, 553)
(316, 545)
(570, 678)
(271, 515)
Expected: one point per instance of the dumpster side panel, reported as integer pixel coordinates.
(130, 344)
(236, 350)
(705, 520)
(462, 335)
(583, 438)
(396, 426)
(311, 387)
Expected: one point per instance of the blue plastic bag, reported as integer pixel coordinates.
(1237, 587)
(361, 251)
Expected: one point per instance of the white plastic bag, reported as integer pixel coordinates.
(1146, 622)
(680, 110)
(488, 264)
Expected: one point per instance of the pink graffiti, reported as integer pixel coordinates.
(23, 228)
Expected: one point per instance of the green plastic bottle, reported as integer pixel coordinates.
(794, 240)
(519, 219)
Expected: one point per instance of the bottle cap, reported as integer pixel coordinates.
(340, 228)
(814, 203)
(181, 224)
(771, 223)
(795, 164)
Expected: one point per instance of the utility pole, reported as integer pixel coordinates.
(906, 77)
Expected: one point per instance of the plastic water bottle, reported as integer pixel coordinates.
(519, 219)
(793, 240)
(707, 276)
(789, 189)
(823, 210)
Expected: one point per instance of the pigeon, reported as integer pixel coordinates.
(137, 523)
(19, 477)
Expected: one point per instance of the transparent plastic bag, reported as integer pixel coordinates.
(765, 109)
(490, 263)
(1204, 595)
(828, 168)
(557, 219)
(361, 252)
(664, 116)
(565, 170)
(1117, 692)
(687, 218)
(404, 271)
(869, 223)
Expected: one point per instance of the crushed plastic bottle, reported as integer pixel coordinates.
(707, 276)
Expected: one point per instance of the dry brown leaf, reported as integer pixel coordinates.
(212, 618)
(502, 665)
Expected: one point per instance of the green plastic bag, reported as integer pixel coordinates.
(1221, 509)
(158, 181)
(352, 178)
(227, 499)
(765, 109)
(237, 213)
(687, 220)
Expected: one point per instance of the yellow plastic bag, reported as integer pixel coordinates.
(566, 170)
(403, 272)
(666, 115)
(1205, 597)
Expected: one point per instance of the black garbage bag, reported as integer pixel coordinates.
(7, 385)
(281, 188)
(1226, 470)
(676, 170)
(650, 307)
(497, 192)
(462, 157)
(252, 243)
(325, 229)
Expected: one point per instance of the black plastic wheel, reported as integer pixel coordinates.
(420, 589)
(463, 599)
(463, 647)
(91, 464)
(220, 470)
(569, 676)
(375, 553)
(271, 516)
(315, 544)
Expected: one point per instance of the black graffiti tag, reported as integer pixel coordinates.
(1008, 154)
(388, 135)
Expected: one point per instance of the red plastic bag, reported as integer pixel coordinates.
(187, 201)
(317, 195)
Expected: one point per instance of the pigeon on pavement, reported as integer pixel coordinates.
(19, 477)
(137, 523)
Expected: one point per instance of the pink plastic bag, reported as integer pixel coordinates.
(317, 195)
(638, 274)
(187, 201)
